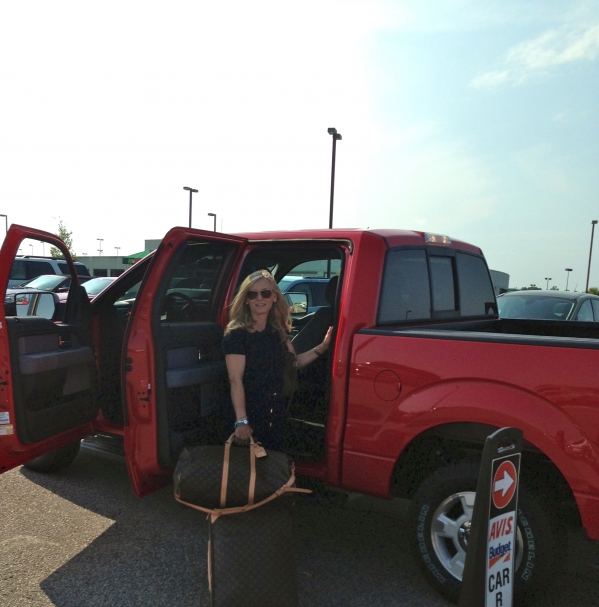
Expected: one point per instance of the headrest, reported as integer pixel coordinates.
(331, 290)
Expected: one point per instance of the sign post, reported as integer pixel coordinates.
(488, 579)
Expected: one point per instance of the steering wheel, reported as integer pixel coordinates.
(174, 312)
(181, 296)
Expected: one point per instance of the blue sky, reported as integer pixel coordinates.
(473, 119)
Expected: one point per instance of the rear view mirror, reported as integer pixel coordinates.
(31, 304)
(298, 302)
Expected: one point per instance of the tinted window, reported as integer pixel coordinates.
(37, 268)
(475, 287)
(406, 293)
(443, 287)
(596, 309)
(18, 270)
(585, 312)
(192, 287)
(79, 268)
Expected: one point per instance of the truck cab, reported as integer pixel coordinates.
(141, 367)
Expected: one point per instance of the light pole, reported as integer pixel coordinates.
(593, 223)
(6, 220)
(214, 216)
(117, 250)
(336, 137)
(100, 245)
(31, 249)
(568, 276)
(548, 279)
(191, 193)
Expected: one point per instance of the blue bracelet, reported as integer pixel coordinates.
(241, 422)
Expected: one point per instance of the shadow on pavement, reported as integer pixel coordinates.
(352, 552)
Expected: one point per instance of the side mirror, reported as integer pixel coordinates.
(34, 303)
(298, 302)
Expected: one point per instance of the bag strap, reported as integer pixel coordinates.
(225, 476)
(216, 512)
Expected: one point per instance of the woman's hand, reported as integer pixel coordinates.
(326, 342)
(242, 435)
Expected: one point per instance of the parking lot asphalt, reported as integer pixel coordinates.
(80, 538)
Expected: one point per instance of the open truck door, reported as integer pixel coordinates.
(174, 374)
(48, 395)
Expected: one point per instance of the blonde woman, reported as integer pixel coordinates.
(254, 346)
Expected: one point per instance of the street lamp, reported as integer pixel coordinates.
(548, 279)
(6, 220)
(100, 245)
(568, 276)
(117, 250)
(213, 215)
(336, 137)
(191, 193)
(593, 223)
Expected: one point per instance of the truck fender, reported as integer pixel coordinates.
(545, 426)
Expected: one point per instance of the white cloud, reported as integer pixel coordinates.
(538, 57)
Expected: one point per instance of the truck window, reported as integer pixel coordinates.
(585, 313)
(477, 297)
(192, 286)
(406, 291)
(442, 275)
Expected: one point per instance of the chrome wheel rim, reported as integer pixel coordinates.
(450, 530)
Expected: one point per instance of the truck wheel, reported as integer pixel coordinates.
(55, 460)
(440, 519)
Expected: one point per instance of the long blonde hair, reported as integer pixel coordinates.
(279, 316)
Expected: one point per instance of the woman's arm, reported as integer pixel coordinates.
(305, 358)
(235, 368)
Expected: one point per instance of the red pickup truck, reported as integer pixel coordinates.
(422, 369)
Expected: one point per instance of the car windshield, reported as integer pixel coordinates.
(96, 285)
(541, 307)
(44, 283)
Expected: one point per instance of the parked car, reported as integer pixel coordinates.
(549, 305)
(96, 285)
(54, 283)
(25, 268)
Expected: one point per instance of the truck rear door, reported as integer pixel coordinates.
(174, 370)
(47, 365)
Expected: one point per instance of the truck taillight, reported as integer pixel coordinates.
(436, 238)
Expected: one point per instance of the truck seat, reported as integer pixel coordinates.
(316, 328)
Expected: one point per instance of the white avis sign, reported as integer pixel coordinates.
(501, 539)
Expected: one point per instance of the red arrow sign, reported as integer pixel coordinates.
(504, 484)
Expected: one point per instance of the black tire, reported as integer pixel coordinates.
(55, 460)
(540, 538)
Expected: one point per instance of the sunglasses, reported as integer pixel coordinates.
(265, 294)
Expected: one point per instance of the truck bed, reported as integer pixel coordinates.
(563, 334)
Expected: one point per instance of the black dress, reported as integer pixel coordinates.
(262, 382)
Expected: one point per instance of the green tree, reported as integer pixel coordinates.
(67, 238)
(594, 290)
